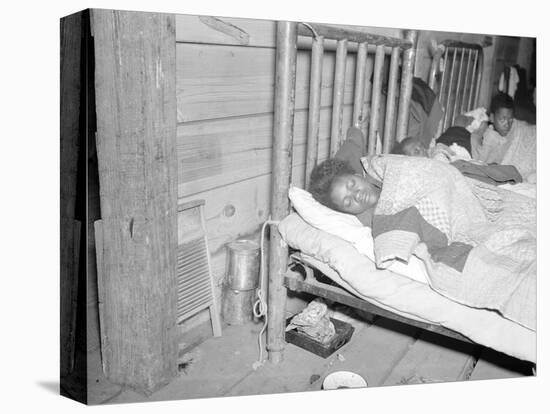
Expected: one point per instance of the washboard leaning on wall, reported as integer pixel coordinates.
(401, 53)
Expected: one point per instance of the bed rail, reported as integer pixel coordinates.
(461, 67)
(352, 35)
(395, 124)
(296, 283)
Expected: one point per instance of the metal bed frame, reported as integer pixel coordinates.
(402, 53)
(457, 93)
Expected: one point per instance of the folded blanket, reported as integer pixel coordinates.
(492, 174)
(478, 241)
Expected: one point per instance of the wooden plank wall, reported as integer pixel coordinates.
(225, 91)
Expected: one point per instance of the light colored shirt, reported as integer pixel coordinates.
(517, 148)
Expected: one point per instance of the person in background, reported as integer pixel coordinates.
(507, 141)
(414, 147)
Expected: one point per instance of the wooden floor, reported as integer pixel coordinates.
(383, 352)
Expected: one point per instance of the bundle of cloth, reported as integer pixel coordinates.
(455, 142)
(477, 240)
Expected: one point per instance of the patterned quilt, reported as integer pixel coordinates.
(478, 241)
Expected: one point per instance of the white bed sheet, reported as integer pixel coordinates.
(404, 296)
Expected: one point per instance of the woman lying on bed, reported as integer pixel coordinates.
(478, 241)
(340, 183)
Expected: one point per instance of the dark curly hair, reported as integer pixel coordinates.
(501, 100)
(322, 177)
(399, 147)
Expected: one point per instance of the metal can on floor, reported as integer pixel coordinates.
(243, 268)
(243, 265)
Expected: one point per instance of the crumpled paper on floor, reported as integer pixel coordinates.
(314, 322)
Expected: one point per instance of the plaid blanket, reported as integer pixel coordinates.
(478, 241)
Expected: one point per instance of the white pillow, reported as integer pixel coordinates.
(349, 228)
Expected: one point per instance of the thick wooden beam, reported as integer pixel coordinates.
(70, 83)
(136, 146)
(283, 127)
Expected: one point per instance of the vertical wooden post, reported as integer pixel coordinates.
(360, 69)
(338, 95)
(479, 76)
(136, 146)
(365, 112)
(283, 128)
(70, 83)
(314, 115)
(448, 116)
(389, 123)
(458, 85)
(443, 77)
(375, 101)
(471, 92)
(407, 73)
(467, 81)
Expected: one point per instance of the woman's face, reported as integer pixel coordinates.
(502, 120)
(353, 194)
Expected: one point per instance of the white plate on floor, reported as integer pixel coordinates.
(343, 379)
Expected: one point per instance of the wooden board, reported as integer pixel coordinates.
(221, 152)
(493, 365)
(136, 131)
(434, 358)
(249, 32)
(374, 350)
(225, 31)
(71, 40)
(227, 81)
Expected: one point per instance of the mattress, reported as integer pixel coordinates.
(356, 273)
